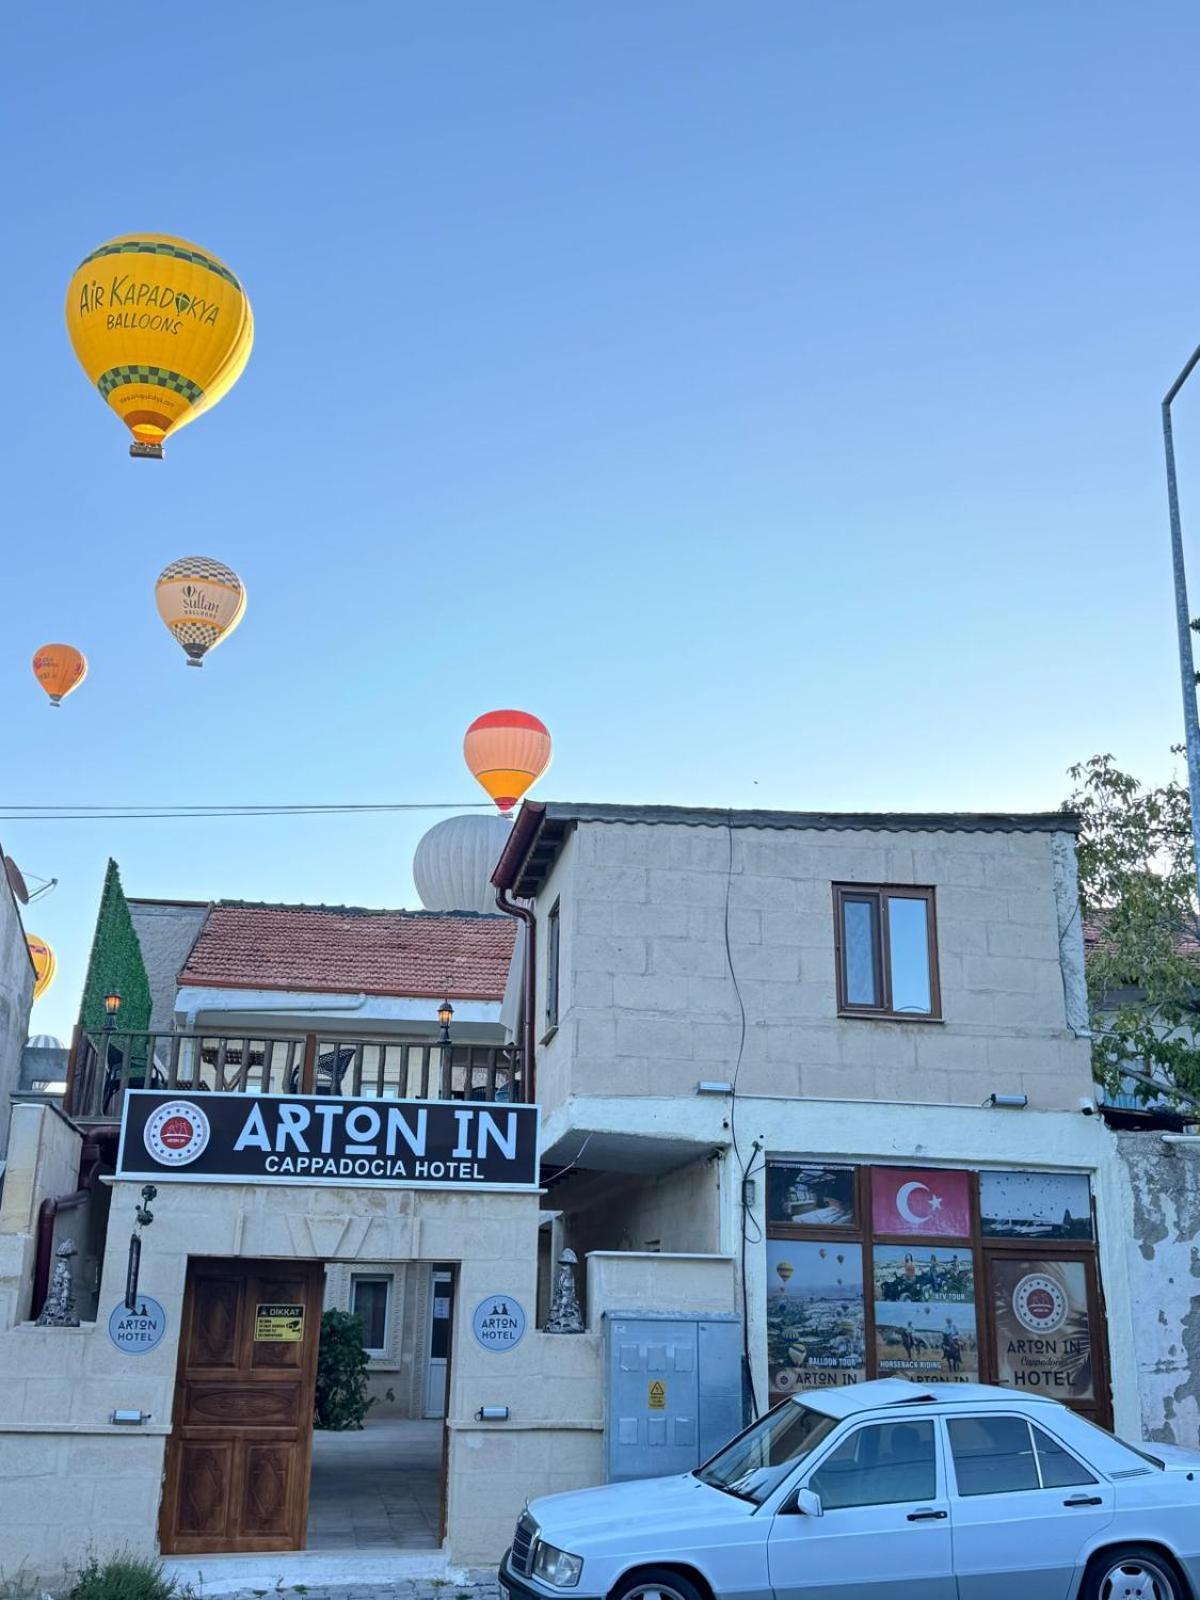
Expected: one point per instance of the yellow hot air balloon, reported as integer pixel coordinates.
(59, 668)
(162, 328)
(785, 1269)
(507, 751)
(201, 601)
(44, 964)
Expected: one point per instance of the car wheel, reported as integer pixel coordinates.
(1132, 1574)
(654, 1583)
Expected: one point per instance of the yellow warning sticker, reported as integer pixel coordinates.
(656, 1395)
(276, 1324)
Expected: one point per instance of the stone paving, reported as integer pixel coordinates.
(477, 1585)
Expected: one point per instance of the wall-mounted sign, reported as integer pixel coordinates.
(324, 1139)
(816, 1317)
(921, 1203)
(499, 1322)
(656, 1395)
(139, 1330)
(278, 1324)
(1043, 1335)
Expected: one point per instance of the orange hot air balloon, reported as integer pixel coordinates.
(59, 668)
(44, 964)
(507, 751)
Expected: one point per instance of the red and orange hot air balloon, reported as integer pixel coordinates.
(59, 668)
(507, 751)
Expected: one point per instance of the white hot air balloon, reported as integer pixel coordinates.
(454, 862)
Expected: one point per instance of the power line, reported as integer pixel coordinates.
(184, 813)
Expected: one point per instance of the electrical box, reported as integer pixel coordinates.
(673, 1392)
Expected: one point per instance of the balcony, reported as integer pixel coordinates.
(104, 1065)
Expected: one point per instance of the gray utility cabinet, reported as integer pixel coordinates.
(673, 1392)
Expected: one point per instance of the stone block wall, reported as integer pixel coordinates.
(648, 1005)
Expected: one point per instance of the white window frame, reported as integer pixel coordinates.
(388, 1279)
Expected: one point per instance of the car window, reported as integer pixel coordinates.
(1059, 1468)
(759, 1459)
(879, 1465)
(992, 1455)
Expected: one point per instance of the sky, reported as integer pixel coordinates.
(765, 395)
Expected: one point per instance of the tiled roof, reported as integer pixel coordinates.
(458, 955)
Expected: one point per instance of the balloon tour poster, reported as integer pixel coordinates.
(816, 1335)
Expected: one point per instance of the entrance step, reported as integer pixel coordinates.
(331, 1575)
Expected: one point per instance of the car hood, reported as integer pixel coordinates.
(662, 1502)
(1174, 1457)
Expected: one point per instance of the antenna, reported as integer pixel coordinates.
(15, 881)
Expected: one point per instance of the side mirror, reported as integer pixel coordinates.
(806, 1504)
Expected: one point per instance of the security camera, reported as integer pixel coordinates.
(1087, 1105)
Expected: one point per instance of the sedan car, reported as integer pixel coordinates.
(888, 1490)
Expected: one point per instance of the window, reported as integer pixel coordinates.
(758, 1461)
(369, 1299)
(880, 1465)
(1003, 1455)
(886, 947)
(1058, 1467)
(552, 968)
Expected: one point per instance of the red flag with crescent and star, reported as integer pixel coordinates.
(923, 1203)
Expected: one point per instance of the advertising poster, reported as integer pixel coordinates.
(925, 1325)
(1035, 1205)
(805, 1194)
(816, 1324)
(1043, 1340)
(929, 1203)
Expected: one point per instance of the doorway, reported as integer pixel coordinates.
(239, 1454)
(441, 1313)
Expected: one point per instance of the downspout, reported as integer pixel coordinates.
(513, 908)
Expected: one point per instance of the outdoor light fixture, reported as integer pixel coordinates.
(712, 1087)
(1008, 1102)
(445, 1013)
(112, 1002)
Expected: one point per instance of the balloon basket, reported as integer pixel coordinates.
(192, 663)
(146, 452)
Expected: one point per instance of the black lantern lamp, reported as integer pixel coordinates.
(445, 1018)
(112, 1004)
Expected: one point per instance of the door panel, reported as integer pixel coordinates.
(239, 1455)
(874, 1537)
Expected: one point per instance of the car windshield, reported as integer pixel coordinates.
(758, 1461)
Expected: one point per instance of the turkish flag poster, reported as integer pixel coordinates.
(921, 1203)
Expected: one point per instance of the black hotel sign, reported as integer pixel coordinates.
(324, 1139)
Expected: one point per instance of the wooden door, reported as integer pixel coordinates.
(240, 1452)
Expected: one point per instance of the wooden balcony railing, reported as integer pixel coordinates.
(103, 1065)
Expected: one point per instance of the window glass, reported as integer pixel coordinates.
(992, 1455)
(816, 1317)
(808, 1194)
(859, 944)
(552, 947)
(759, 1460)
(369, 1304)
(443, 1296)
(880, 1465)
(1035, 1205)
(908, 944)
(1060, 1470)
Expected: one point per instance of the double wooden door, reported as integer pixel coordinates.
(240, 1452)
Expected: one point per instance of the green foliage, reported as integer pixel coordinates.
(124, 1577)
(116, 963)
(1138, 892)
(341, 1400)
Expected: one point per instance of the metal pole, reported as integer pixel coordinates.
(1183, 621)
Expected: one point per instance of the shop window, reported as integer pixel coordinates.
(882, 1464)
(886, 948)
(1042, 1326)
(816, 1315)
(803, 1194)
(369, 1301)
(925, 1314)
(552, 951)
(1035, 1205)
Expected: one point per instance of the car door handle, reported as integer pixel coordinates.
(927, 1516)
(1084, 1500)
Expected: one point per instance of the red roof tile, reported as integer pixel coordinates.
(457, 955)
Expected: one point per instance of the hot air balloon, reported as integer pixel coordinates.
(507, 751)
(452, 865)
(785, 1269)
(59, 668)
(44, 964)
(201, 601)
(162, 328)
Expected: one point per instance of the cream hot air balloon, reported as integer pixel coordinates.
(201, 601)
(59, 668)
(507, 751)
(44, 964)
(785, 1269)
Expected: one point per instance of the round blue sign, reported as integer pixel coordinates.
(140, 1330)
(499, 1322)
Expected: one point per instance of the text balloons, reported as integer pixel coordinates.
(44, 964)
(507, 751)
(162, 328)
(201, 601)
(59, 668)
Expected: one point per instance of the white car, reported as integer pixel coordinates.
(887, 1490)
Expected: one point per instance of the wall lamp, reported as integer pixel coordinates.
(1007, 1102)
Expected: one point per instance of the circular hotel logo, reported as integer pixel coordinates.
(177, 1133)
(1040, 1303)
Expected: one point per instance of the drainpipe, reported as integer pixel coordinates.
(514, 909)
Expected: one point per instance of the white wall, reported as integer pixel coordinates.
(16, 998)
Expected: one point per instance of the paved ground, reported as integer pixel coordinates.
(378, 1488)
(476, 1586)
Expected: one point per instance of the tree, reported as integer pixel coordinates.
(1138, 895)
